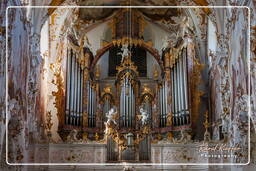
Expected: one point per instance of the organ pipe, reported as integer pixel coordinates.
(72, 89)
(186, 86)
(181, 91)
(78, 96)
(75, 93)
(176, 95)
(166, 101)
(68, 86)
(81, 98)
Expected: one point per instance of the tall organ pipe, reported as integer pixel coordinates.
(129, 107)
(122, 105)
(76, 91)
(166, 101)
(78, 94)
(176, 95)
(183, 87)
(68, 86)
(181, 90)
(89, 103)
(178, 81)
(172, 90)
(186, 84)
(133, 108)
(72, 85)
(161, 105)
(92, 100)
(71, 89)
(81, 97)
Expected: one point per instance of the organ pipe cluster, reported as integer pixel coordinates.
(127, 104)
(74, 91)
(163, 104)
(179, 90)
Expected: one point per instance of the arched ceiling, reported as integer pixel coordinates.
(151, 13)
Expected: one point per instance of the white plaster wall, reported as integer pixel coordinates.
(95, 36)
(157, 36)
(212, 39)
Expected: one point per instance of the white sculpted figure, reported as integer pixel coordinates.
(111, 114)
(125, 52)
(143, 116)
(184, 27)
(169, 41)
(165, 43)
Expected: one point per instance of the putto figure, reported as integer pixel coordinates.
(125, 52)
(143, 116)
(111, 115)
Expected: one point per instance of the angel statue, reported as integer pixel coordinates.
(111, 115)
(169, 42)
(165, 43)
(78, 46)
(144, 116)
(184, 27)
(125, 52)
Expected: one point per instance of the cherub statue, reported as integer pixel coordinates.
(165, 45)
(143, 116)
(185, 137)
(72, 136)
(111, 115)
(125, 52)
(169, 41)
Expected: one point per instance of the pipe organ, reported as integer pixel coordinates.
(127, 84)
(144, 107)
(171, 94)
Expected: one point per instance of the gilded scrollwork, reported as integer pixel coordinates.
(59, 93)
(196, 93)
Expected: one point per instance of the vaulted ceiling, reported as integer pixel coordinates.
(151, 13)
